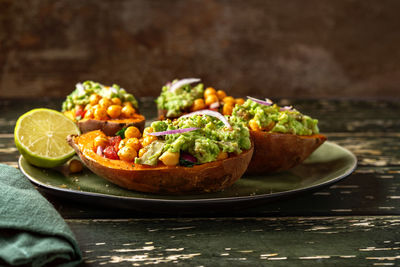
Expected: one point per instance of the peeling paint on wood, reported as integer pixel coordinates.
(225, 240)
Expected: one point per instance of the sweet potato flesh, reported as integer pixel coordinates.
(208, 177)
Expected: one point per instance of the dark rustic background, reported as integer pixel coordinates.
(272, 48)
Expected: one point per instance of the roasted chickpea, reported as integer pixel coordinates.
(100, 140)
(147, 140)
(170, 158)
(254, 125)
(114, 111)
(147, 130)
(222, 155)
(89, 114)
(128, 111)
(94, 99)
(239, 101)
(100, 113)
(134, 143)
(221, 94)
(209, 91)
(132, 132)
(121, 144)
(211, 99)
(127, 153)
(228, 99)
(116, 101)
(142, 151)
(198, 104)
(75, 166)
(88, 106)
(105, 102)
(227, 109)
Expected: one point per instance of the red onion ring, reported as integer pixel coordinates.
(99, 151)
(285, 108)
(178, 84)
(184, 130)
(262, 102)
(209, 113)
(268, 101)
(214, 105)
(188, 157)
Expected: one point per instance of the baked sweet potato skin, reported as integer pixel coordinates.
(110, 127)
(274, 152)
(162, 114)
(208, 177)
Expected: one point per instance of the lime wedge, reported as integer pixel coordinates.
(40, 136)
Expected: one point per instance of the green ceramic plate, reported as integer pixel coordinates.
(328, 164)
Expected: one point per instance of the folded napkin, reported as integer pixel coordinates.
(32, 233)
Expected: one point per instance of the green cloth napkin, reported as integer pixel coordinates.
(32, 232)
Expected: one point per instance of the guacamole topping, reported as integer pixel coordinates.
(205, 143)
(83, 91)
(176, 102)
(273, 118)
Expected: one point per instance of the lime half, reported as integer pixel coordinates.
(40, 136)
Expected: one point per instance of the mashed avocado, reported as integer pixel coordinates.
(274, 119)
(205, 144)
(175, 103)
(82, 92)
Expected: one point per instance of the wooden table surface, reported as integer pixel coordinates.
(354, 222)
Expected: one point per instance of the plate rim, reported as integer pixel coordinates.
(202, 200)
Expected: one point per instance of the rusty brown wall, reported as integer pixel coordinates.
(273, 48)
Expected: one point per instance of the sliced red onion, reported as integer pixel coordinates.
(184, 130)
(210, 113)
(285, 108)
(188, 157)
(99, 151)
(214, 105)
(259, 101)
(178, 84)
(268, 101)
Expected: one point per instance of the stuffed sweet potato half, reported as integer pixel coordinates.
(183, 96)
(94, 106)
(189, 155)
(282, 136)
